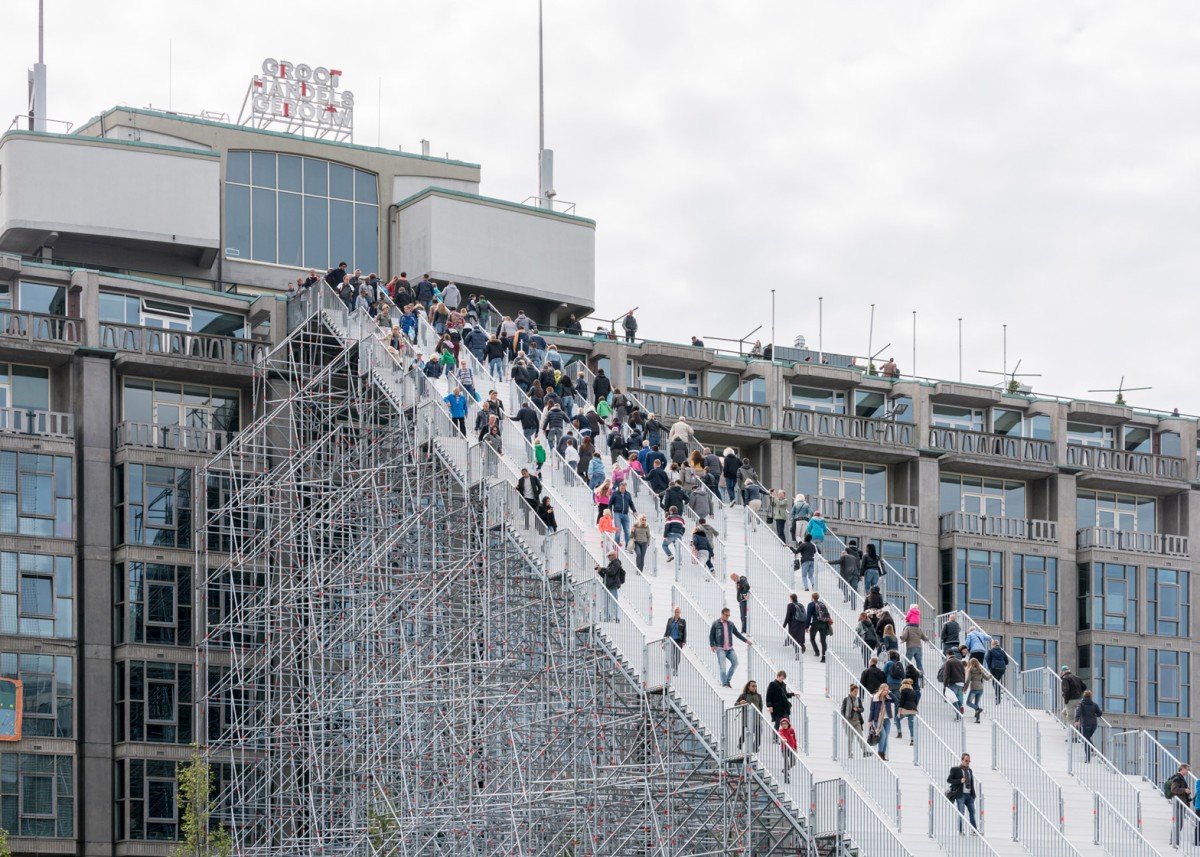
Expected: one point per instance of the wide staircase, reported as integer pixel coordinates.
(1037, 794)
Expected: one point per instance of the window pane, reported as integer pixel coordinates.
(341, 182)
(160, 800)
(264, 225)
(341, 232)
(160, 604)
(364, 188)
(37, 596)
(237, 167)
(289, 173)
(38, 795)
(237, 221)
(290, 230)
(366, 237)
(316, 231)
(262, 167)
(43, 298)
(31, 387)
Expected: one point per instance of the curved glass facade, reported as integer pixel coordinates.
(303, 212)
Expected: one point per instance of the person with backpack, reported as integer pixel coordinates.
(806, 553)
(872, 677)
(996, 660)
(795, 620)
(951, 675)
(702, 547)
(741, 585)
(1087, 718)
(820, 625)
(887, 641)
(869, 637)
(911, 637)
(1072, 691)
(1179, 786)
(613, 576)
(872, 568)
(894, 672)
(951, 635)
(850, 567)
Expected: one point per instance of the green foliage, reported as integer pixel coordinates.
(379, 829)
(1120, 399)
(199, 838)
(1014, 386)
(5, 851)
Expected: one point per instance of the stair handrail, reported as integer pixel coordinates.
(1103, 778)
(1025, 773)
(951, 828)
(1113, 832)
(1036, 832)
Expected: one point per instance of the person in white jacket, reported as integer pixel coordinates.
(681, 431)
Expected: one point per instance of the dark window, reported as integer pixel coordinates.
(156, 509)
(36, 494)
(1116, 678)
(155, 703)
(37, 795)
(49, 691)
(36, 595)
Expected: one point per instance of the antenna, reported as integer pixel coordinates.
(1012, 385)
(546, 191)
(1120, 390)
(37, 78)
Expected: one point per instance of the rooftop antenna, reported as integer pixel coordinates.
(1120, 390)
(1012, 385)
(546, 191)
(37, 78)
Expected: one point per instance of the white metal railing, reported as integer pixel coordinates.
(1039, 835)
(1023, 771)
(865, 767)
(1137, 753)
(951, 829)
(1042, 689)
(1113, 833)
(760, 668)
(846, 817)
(784, 769)
(1103, 778)
(1185, 828)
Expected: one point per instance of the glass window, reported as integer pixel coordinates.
(25, 387)
(146, 804)
(1169, 443)
(1136, 439)
(1168, 685)
(155, 703)
(900, 558)
(37, 795)
(902, 410)
(175, 410)
(156, 509)
(1035, 589)
(679, 381)
(754, 390)
(834, 480)
(1085, 434)
(34, 498)
(722, 385)
(300, 212)
(979, 583)
(976, 495)
(1032, 653)
(1168, 612)
(42, 297)
(36, 595)
(153, 604)
(1108, 597)
(870, 404)
(49, 683)
(1178, 744)
(813, 399)
(1123, 512)
(954, 417)
(122, 309)
(1115, 678)
(1007, 422)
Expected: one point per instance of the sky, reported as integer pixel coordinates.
(1003, 162)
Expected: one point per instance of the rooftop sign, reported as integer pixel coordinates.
(299, 99)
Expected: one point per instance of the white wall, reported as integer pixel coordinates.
(405, 186)
(90, 187)
(490, 245)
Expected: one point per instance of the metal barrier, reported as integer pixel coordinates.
(760, 669)
(750, 730)
(849, 819)
(865, 767)
(1185, 828)
(1115, 835)
(1023, 771)
(1102, 777)
(1037, 833)
(952, 830)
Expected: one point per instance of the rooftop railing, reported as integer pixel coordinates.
(1120, 461)
(998, 526)
(1003, 447)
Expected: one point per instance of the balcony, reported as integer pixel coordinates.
(52, 424)
(189, 349)
(699, 409)
(993, 454)
(180, 438)
(997, 526)
(27, 328)
(879, 441)
(1102, 538)
(866, 512)
(1116, 469)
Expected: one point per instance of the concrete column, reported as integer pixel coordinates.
(92, 372)
(928, 560)
(1062, 498)
(85, 293)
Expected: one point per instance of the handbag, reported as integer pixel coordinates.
(952, 794)
(873, 736)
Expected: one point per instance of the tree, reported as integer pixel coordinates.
(199, 837)
(5, 851)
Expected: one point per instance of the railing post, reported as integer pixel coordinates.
(1095, 819)
(1016, 805)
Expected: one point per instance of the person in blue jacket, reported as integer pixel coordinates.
(458, 410)
(817, 528)
(996, 660)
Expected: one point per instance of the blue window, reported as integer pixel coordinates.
(1115, 670)
(1108, 597)
(1168, 612)
(1035, 589)
(973, 583)
(1168, 686)
(300, 212)
(1033, 653)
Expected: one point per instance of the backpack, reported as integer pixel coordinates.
(941, 674)
(621, 576)
(743, 589)
(1166, 789)
(823, 612)
(896, 671)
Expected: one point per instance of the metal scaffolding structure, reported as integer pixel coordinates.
(391, 666)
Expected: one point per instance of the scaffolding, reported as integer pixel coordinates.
(390, 667)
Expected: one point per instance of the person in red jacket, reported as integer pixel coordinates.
(788, 734)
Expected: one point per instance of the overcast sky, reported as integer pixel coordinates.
(1028, 163)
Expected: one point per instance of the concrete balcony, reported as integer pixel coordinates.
(866, 512)
(877, 441)
(993, 454)
(179, 438)
(706, 412)
(1117, 470)
(1102, 538)
(212, 358)
(997, 526)
(26, 421)
(53, 333)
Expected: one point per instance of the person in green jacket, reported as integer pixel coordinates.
(539, 454)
